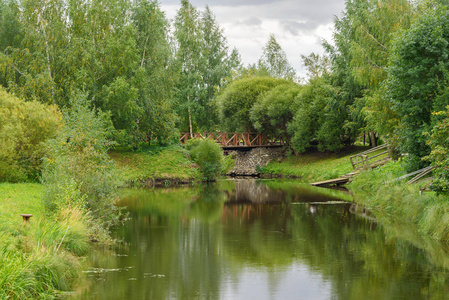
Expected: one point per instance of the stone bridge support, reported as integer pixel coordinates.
(248, 162)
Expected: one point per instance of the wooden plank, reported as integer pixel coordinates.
(419, 176)
(331, 181)
(371, 150)
(377, 155)
(413, 173)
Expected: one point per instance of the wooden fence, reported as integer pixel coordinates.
(371, 158)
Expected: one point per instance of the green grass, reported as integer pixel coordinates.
(155, 163)
(315, 166)
(40, 258)
(378, 191)
(20, 198)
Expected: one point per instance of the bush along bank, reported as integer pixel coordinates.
(379, 191)
(73, 208)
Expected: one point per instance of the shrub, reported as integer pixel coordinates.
(77, 171)
(209, 157)
(439, 144)
(24, 128)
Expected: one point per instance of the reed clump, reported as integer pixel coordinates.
(42, 257)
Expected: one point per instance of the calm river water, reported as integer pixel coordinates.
(248, 239)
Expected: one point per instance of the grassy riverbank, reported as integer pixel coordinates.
(167, 165)
(41, 258)
(378, 191)
(171, 165)
(314, 166)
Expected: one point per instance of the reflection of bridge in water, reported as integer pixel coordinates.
(237, 140)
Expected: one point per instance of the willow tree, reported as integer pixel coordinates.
(238, 98)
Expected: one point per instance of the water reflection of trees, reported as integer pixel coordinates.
(256, 191)
(197, 238)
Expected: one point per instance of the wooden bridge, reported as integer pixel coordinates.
(237, 140)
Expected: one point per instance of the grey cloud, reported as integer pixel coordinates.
(220, 2)
(251, 21)
(317, 11)
(296, 28)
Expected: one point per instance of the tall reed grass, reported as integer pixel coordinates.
(379, 190)
(41, 258)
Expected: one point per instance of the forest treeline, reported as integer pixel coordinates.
(384, 74)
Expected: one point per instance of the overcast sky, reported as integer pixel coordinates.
(298, 25)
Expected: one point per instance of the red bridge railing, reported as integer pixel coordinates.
(235, 140)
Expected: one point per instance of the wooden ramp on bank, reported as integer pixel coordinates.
(369, 159)
(335, 182)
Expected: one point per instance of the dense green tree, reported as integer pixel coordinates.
(217, 65)
(308, 118)
(204, 62)
(237, 99)
(373, 24)
(33, 55)
(10, 27)
(275, 109)
(345, 109)
(189, 88)
(439, 154)
(120, 57)
(155, 78)
(417, 82)
(24, 129)
(362, 38)
(106, 57)
(274, 60)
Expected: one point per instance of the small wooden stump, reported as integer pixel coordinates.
(26, 217)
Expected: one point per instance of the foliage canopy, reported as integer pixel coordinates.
(24, 129)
